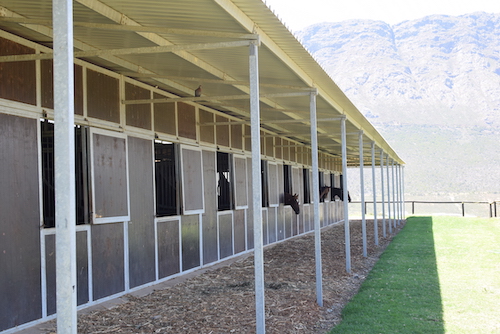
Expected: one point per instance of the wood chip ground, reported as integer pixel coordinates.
(221, 300)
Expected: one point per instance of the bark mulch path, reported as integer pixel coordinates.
(222, 300)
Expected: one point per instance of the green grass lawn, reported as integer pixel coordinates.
(439, 275)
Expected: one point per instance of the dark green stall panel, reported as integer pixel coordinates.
(168, 248)
(190, 242)
(295, 227)
(50, 272)
(209, 217)
(103, 96)
(304, 216)
(110, 176)
(280, 226)
(138, 115)
(20, 284)
(141, 232)
(226, 235)
(264, 226)
(107, 259)
(322, 214)
(17, 79)
(192, 170)
(239, 231)
(240, 180)
(288, 221)
(250, 242)
(164, 116)
(271, 225)
(82, 270)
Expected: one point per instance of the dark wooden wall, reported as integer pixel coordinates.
(141, 234)
(17, 79)
(209, 217)
(108, 272)
(168, 248)
(20, 285)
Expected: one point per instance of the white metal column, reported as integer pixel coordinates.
(375, 221)
(64, 151)
(384, 230)
(362, 186)
(403, 191)
(345, 196)
(315, 187)
(257, 189)
(402, 203)
(394, 195)
(389, 196)
(398, 192)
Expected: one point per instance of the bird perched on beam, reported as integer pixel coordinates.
(197, 92)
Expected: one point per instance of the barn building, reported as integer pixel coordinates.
(164, 177)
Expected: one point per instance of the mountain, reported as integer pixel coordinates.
(432, 87)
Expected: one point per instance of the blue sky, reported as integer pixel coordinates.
(297, 14)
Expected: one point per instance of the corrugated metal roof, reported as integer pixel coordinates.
(283, 61)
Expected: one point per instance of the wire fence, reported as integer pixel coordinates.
(462, 208)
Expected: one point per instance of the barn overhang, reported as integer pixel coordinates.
(248, 66)
(178, 45)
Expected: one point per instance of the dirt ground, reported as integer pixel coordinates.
(222, 300)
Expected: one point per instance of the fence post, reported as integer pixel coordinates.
(463, 209)
(412, 207)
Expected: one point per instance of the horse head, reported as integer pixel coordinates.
(340, 194)
(323, 191)
(293, 200)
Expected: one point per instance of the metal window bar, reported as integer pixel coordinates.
(224, 182)
(265, 183)
(307, 185)
(167, 199)
(82, 187)
(287, 174)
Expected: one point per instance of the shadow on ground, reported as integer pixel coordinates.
(402, 292)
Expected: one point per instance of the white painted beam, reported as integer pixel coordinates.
(345, 195)
(362, 186)
(257, 190)
(315, 192)
(64, 139)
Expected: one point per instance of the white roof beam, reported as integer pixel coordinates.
(125, 51)
(212, 98)
(121, 27)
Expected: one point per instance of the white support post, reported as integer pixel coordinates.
(64, 151)
(315, 187)
(384, 230)
(375, 221)
(394, 195)
(403, 186)
(345, 196)
(389, 196)
(257, 189)
(401, 201)
(362, 186)
(398, 191)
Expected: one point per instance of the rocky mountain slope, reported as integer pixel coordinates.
(432, 88)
